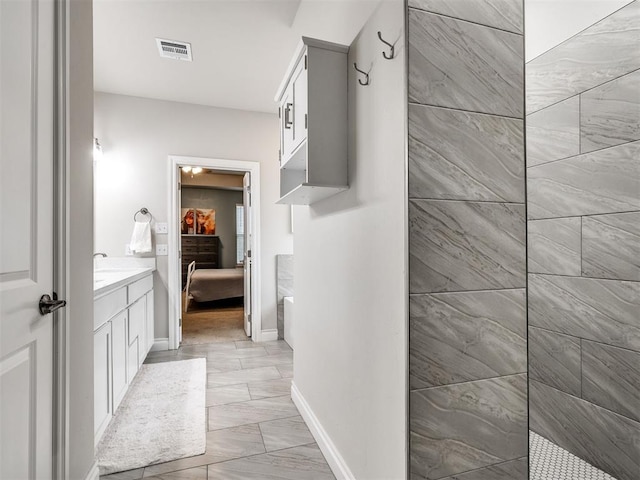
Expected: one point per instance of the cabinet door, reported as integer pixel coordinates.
(102, 405)
(119, 348)
(150, 322)
(132, 360)
(287, 123)
(137, 321)
(300, 111)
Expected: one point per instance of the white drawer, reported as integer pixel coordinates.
(106, 307)
(139, 288)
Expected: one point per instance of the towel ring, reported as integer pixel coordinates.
(143, 211)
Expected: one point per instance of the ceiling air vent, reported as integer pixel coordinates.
(175, 50)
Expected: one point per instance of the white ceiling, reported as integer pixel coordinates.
(241, 48)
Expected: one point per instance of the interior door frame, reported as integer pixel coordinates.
(61, 373)
(174, 281)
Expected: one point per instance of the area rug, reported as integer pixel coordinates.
(161, 418)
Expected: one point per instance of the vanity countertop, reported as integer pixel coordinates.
(112, 273)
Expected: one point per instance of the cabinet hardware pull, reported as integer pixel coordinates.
(287, 111)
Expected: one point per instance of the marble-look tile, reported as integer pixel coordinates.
(128, 475)
(554, 359)
(554, 132)
(223, 365)
(222, 445)
(458, 337)
(503, 14)
(456, 246)
(170, 356)
(277, 347)
(286, 371)
(284, 276)
(237, 354)
(611, 246)
(610, 113)
(229, 394)
(554, 246)
(240, 344)
(270, 388)
(203, 349)
(197, 473)
(254, 411)
(298, 463)
(465, 156)
(285, 433)
(605, 439)
(462, 65)
(600, 310)
(611, 378)
(606, 181)
(463, 427)
(282, 358)
(280, 321)
(512, 470)
(242, 376)
(604, 51)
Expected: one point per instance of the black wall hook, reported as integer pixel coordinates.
(366, 74)
(391, 46)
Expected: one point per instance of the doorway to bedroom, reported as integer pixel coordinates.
(213, 259)
(212, 255)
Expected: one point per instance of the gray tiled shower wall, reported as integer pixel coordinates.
(467, 257)
(583, 173)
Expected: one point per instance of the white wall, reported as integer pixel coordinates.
(350, 273)
(138, 134)
(79, 230)
(550, 22)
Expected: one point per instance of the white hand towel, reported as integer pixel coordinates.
(141, 238)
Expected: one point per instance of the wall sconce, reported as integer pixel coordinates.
(97, 150)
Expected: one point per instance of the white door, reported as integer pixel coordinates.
(247, 252)
(27, 46)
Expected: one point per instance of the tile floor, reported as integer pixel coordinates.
(549, 461)
(254, 429)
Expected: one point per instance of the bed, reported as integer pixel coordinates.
(208, 284)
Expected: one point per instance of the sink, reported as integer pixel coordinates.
(103, 277)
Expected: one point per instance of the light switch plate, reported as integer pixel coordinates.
(127, 250)
(162, 227)
(162, 249)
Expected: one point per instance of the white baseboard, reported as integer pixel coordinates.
(160, 344)
(334, 459)
(268, 335)
(94, 473)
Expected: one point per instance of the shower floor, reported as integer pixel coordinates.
(549, 461)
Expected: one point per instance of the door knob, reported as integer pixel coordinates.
(49, 305)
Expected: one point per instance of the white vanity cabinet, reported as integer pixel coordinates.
(102, 398)
(123, 335)
(119, 348)
(312, 109)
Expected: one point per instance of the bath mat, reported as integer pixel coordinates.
(161, 418)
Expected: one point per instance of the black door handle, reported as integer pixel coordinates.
(49, 305)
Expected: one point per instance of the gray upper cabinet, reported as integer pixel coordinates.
(312, 101)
